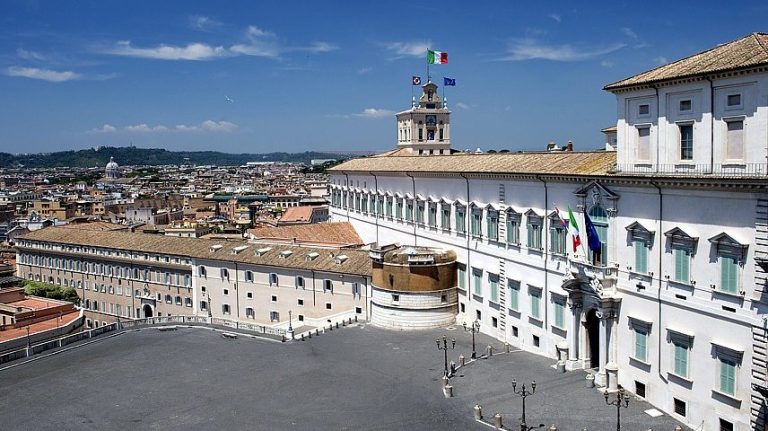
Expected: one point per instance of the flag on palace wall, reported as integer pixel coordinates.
(437, 57)
(416, 80)
(449, 81)
(574, 230)
(593, 240)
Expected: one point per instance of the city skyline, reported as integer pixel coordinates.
(193, 76)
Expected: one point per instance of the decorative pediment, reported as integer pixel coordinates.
(511, 211)
(638, 231)
(461, 203)
(725, 243)
(679, 237)
(435, 199)
(594, 187)
(420, 197)
(531, 213)
(555, 216)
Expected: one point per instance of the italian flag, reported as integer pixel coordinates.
(437, 57)
(574, 230)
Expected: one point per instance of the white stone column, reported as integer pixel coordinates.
(573, 337)
(600, 378)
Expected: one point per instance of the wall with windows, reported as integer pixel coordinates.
(696, 126)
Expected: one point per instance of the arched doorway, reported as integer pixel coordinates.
(593, 338)
(146, 310)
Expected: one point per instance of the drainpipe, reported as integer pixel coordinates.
(376, 204)
(466, 233)
(658, 126)
(314, 299)
(711, 125)
(415, 208)
(658, 294)
(237, 292)
(545, 232)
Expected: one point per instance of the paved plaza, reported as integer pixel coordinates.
(353, 378)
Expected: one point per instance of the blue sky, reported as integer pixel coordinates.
(244, 76)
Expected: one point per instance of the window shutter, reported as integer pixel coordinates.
(727, 376)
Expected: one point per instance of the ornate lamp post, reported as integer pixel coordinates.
(523, 393)
(474, 327)
(444, 348)
(621, 401)
(290, 320)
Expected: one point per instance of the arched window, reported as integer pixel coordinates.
(178, 300)
(168, 299)
(599, 218)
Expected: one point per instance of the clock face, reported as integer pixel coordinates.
(431, 119)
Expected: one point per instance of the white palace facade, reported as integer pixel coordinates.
(673, 307)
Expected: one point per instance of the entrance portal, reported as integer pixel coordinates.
(593, 338)
(146, 310)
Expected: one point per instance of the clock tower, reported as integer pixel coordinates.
(425, 128)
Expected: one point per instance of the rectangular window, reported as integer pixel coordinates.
(420, 213)
(641, 256)
(492, 225)
(560, 313)
(514, 294)
(460, 220)
(679, 406)
(398, 208)
(462, 275)
(734, 100)
(477, 281)
(409, 210)
(727, 376)
(432, 214)
(557, 241)
(534, 233)
(685, 105)
(476, 223)
(686, 141)
(513, 229)
(445, 221)
(641, 344)
(643, 109)
(726, 425)
(327, 286)
(536, 304)
(680, 358)
(644, 143)
(273, 279)
(729, 274)
(682, 265)
(493, 282)
(734, 142)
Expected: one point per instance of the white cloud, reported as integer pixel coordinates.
(206, 126)
(408, 49)
(204, 23)
(660, 60)
(463, 106)
(556, 17)
(629, 32)
(374, 113)
(606, 63)
(220, 126)
(106, 128)
(43, 74)
(318, 47)
(193, 51)
(29, 55)
(364, 70)
(531, 49)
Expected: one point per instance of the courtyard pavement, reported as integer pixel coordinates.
(352, 378)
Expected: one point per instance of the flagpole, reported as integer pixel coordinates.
(428, 77)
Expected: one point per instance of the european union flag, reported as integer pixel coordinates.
(449, 81)
(593, 240)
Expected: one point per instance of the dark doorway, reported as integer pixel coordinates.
(593, 338)
(147, 310)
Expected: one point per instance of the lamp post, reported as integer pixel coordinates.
(474, 327)
(621, 401)
(523, 393)
(444, 348)
(290, 320)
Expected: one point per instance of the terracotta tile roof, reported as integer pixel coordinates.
(99, 225)
(749, 51)
(45, 325)
(357, 263)
(297, 214)
(342, 233)
(559, 162)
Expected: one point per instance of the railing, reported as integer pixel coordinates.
(685, 169)
(40, 347)
(200, 320)
(605, 275)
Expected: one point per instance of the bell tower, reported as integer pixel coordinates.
(425, 128)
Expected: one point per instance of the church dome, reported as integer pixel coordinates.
(112, 170)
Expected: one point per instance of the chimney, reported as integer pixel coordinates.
(569, 146)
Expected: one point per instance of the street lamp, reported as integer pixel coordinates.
(474, 327)
(444, 348)
(290, 326)
(524, 393)
(621, 401)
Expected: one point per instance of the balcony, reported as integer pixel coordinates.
(694, 170)
(605, 276)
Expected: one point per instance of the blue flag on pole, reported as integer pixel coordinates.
(449, 81)
(593, 240)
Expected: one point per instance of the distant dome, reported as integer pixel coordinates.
(112, 170)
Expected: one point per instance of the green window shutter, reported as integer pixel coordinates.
(559, 314)
(462, 278)
(641, 257)
(494, 288)
(514, 294)
(640, 344)
(535, 305)
(478, 281)
(727, 376)
(681, 359)
(729, 274)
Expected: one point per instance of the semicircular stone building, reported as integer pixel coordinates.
(413, 287)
